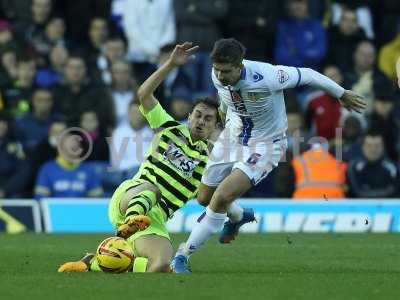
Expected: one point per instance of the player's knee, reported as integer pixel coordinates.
(204, 197)
(152, 188)
(221, 199)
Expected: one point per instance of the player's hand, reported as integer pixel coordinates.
(353, 101)
(182, 53)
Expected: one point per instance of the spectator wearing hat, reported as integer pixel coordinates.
(383, 120)
(373, 175)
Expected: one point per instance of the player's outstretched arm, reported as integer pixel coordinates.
(179, 56)
(349, 99)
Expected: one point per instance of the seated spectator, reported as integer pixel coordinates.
(67, 176)
(17, 95)
(52, 74)
(297, 134)
(79, 15)
(300, 40)
(373, 175)
(32, 30)
(78, 94)
(128, 147)
(318, 175)
(254, 27)
(198, 21)
(54, 34)
(343, 39)
(388, 56)
(12, 160)
(114, 50)
(89, 122)
(323, 111)
(148, 26)
(349, 144)
(383, 119)
(362, 9)
(7, 38)
(46, 150)
(33, 127)
(97, 36)
(123, 90)
(8, 70)
(364, 75)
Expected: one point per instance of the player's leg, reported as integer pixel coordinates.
(205, 194)
(212, 220)
(231, 188)
(136, 201)
(157, 249)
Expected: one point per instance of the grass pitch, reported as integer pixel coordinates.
(253, 267)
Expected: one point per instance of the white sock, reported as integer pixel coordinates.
(235, 212)
(207, 224)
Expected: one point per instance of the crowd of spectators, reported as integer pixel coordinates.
(77, 64)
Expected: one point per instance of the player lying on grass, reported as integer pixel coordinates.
(168, 178)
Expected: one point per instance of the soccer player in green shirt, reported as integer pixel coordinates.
(167, 179)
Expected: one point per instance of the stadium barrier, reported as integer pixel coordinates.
(351, 216)
(19, 215)
(84, 215)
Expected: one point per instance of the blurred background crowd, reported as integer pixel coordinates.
(78, 64)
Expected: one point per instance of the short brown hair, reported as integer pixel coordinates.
(228, 51)
(209, 102)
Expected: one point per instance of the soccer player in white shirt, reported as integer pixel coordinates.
(253, 141)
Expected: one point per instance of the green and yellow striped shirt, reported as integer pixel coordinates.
(174, 163)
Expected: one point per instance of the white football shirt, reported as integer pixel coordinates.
(255, 107)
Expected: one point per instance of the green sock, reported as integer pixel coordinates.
(141, 204)
(140, 265)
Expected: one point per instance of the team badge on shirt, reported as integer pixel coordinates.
(282, 76)
(257, 77)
